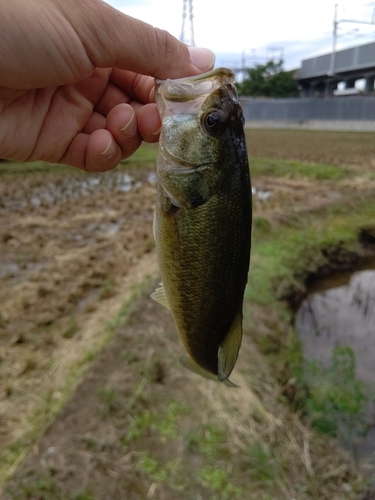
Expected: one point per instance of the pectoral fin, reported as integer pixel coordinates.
(191, 365)
(228, 349)
(159, 296)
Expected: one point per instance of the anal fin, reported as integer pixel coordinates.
(191, 365)
(228, 349)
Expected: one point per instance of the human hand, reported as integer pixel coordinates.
(77, 81)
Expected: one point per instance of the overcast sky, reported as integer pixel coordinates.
(254, 29)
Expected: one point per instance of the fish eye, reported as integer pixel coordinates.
(213, 121)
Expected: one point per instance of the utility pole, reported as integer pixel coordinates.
(187, 29)
(336, 23)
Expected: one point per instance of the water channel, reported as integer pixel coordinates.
(340, 311)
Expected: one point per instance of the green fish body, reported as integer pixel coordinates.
(202, 223)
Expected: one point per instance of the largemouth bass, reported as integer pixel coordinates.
(202, 223)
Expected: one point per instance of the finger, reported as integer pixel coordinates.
(95, 122)
(102, 152)
(139, 87)
(112, 96)
(148, 121)
(97, 152)
(121, 41)
(122, 124)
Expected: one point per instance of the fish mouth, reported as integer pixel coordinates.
(181, 167)
(192, 87)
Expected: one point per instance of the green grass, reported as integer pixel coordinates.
(217, 480)
(164, 423)
(337, 402)
(283, 257)
(292, 169)
(144, 156)
(290, 252)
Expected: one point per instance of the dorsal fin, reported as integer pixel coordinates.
(159, 296)
(228, 349)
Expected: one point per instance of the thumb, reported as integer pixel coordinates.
(116, 39)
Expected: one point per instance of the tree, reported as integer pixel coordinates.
(268, 80)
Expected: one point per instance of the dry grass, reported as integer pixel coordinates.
(332, 148)
(138, 425)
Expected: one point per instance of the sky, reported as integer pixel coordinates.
(256, 31)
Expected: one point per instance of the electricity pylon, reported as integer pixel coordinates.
(187, 30)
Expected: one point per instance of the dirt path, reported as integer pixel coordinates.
(65, 257)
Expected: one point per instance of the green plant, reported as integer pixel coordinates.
(260, 463)
(293, 169)
(336, 402)
(83, 495)
(108, 289)
(71, 328)
(152, 467)
(217, 479)
(108, 394)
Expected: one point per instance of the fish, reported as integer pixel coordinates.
(203, 216)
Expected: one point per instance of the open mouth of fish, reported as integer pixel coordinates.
(180, 167)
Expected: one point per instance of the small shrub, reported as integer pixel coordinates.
(336, 402)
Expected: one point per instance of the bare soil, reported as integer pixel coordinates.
(74, 252)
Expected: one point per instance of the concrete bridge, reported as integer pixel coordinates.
(320, 76)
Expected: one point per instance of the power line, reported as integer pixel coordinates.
(336, 23)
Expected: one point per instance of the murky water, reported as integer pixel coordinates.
(342, 313)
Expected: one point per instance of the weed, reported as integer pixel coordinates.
(108, 289)
(128, 356)
(42, 488)
(109, 395)
(90, 356)
(316, 171)
(152, 467)
(333, 148)
(2, 320)
(144, 155)
(261, 226)
(216, 479)
(83, 495)
(71, 329)
(165, 424)
(30, 363)
(208, 440)
(337, 402)
(260, 463)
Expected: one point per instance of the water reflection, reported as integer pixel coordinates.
(341, 316)
(345, 316)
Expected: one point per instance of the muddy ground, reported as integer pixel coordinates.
(77, 265)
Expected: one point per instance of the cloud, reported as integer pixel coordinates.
(301, 30)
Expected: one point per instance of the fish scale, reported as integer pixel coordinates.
(202, 222)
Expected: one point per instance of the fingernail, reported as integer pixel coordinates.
(130, 127)
(110, 150)
(203, 59)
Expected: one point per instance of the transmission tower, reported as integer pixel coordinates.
(187, 30)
